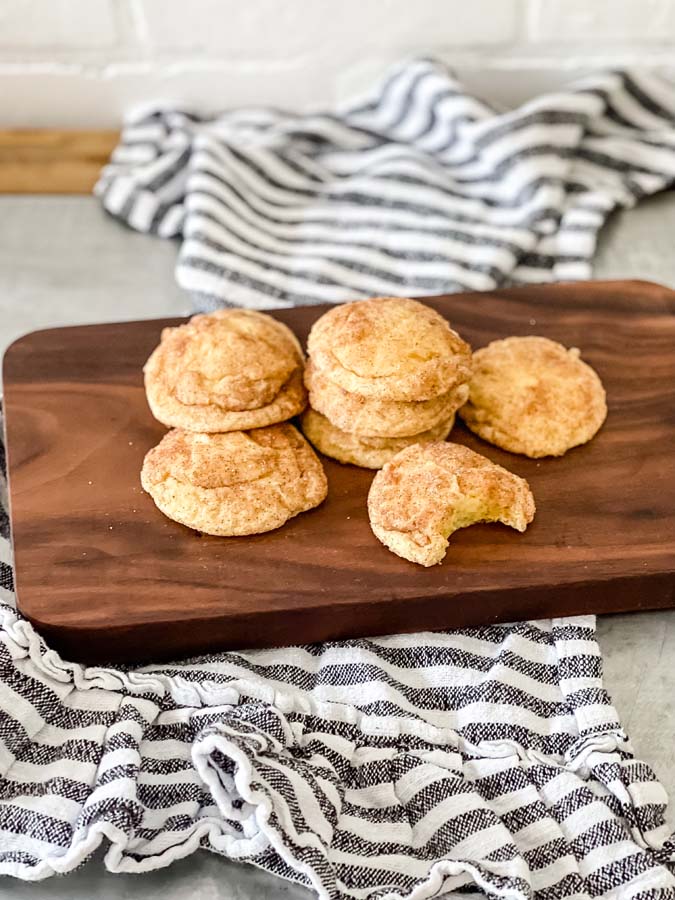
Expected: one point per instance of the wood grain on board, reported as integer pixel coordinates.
(53, 161)
(105, 576)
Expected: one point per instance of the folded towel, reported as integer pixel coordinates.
(417, 189)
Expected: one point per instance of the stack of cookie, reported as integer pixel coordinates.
(382, 374)
(226, 383)
(230, 370)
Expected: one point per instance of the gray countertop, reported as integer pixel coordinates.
(63, 262)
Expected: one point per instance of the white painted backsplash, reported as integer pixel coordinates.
(84, 62)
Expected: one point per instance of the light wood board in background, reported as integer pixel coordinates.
(50, 161)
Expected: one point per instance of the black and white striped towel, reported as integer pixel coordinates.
(418, 188)
(403, 767)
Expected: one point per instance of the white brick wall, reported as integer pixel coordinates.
(56, 25)
(634, 21)
(83, 62)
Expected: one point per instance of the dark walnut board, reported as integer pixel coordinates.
(104, 576)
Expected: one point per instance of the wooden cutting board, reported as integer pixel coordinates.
(105, 577)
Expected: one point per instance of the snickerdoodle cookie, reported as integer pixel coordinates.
(234, 483)
(382, 418)
(389, 348)
(231, 370)
(428, 491)
(365, 451)
(533, 396)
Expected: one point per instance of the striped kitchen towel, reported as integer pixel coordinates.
(398, 768)
(418, 188)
